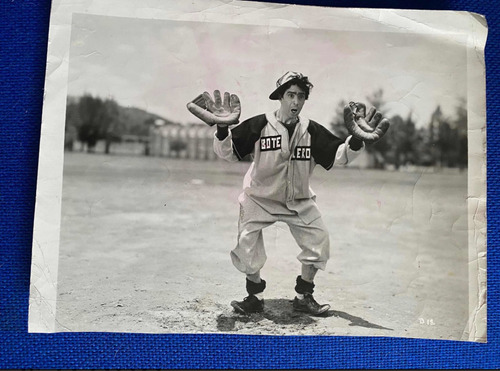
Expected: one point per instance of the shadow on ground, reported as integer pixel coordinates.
(355, 321)
(280, 312)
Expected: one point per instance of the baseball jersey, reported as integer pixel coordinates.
(278, 178)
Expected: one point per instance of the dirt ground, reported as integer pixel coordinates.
(145, 248)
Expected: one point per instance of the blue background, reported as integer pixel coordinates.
(23, 44)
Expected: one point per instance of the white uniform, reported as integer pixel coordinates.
(276, 186)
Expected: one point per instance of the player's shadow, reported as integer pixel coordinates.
(280, 312)
(355, 321)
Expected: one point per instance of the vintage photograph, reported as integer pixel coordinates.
(248, 176)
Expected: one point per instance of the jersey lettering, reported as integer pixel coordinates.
(302, 153)
(270, 143)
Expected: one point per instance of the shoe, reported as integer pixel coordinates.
(249, 305)
(309, 305)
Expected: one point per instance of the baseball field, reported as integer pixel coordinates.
(145, 248)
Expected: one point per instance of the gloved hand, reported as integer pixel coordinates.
(218, 112)
(367, 127)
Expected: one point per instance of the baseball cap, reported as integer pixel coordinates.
(289, 76)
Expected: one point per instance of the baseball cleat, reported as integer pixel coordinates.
(309, 305)
(249, 305)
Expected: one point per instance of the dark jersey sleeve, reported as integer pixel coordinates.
(324, 145)
(246, 134)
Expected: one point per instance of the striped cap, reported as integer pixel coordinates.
(289, 76)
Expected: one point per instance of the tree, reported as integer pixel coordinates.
(448, 137)
(460, 124)
(403, 138)
(95, 119)
(73, 121)
(91, 113)
(112, 126)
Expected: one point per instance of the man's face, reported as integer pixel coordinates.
(292, 102)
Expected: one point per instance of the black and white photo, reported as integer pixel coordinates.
(261, 169)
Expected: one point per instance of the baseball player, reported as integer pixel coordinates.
(285, 148)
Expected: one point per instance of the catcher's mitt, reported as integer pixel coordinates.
(216, 111)
(367, 127)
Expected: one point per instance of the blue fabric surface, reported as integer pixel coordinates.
(23, 43)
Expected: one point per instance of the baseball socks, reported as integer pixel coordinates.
(304, 300)
(254, 302)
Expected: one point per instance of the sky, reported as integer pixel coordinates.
(160, 65)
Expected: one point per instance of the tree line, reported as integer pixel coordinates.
(91, 119)
(441, 143)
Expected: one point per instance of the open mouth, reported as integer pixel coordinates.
(294, 110)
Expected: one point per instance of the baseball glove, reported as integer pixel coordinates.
(216, 111)
(367, 127)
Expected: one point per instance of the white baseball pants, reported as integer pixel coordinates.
(249, 256)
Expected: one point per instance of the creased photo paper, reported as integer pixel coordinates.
(262, 169)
